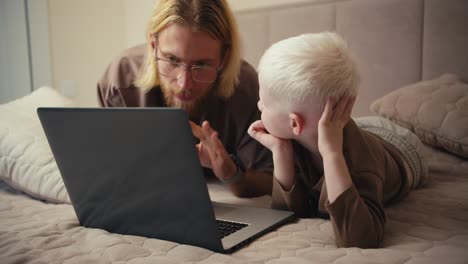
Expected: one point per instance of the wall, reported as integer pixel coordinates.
(249, 5)
(15, 76)
(38, 21)
(84, 37)
(395, 42)
(137, 13)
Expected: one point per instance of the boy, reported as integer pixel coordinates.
(324, 164)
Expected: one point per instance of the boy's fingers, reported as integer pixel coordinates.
(349, 106)
(339, 108)
(327, 112)
(255, 126)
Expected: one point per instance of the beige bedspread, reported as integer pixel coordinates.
(429, 226)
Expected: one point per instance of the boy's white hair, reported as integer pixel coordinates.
(308, 69)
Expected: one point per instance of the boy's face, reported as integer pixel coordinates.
(274, 116)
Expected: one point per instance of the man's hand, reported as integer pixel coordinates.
(330, 127)
(211, 151)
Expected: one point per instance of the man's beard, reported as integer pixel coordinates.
(192, 108)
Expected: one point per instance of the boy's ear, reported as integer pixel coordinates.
(296, 122)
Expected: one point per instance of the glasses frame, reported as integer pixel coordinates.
(186, 67)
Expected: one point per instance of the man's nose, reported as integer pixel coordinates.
(185, 78)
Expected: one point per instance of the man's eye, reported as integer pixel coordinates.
(201, 64)
(172, 59)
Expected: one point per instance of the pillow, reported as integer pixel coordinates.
(26, 161)
(435, 110)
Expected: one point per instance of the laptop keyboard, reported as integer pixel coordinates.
(226, 228)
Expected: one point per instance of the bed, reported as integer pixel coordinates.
(429, 226)
(404, 55)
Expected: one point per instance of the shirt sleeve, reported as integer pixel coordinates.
(295, 200)
(109, 96)
(357, 215)
(244, 111)
(115, 88)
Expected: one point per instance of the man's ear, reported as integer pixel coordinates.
(153, 41)
(296, 122)
(225, 53)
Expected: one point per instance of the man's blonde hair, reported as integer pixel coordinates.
(211, 16)
(309, 68)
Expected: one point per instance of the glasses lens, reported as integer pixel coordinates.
(204, 74)
(169, 68)
(173, 69)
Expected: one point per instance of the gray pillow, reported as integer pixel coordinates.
(435, 110)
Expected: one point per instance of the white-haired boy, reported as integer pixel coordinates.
(325, 165)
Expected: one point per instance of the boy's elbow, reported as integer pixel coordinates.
(367, 240)
(364, 244)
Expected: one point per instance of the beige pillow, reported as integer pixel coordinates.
(26, 161)
(435, 110)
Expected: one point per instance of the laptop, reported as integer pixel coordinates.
(136, 171)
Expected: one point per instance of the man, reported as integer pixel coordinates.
(192, 61)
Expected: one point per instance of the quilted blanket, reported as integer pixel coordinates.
(429, 226)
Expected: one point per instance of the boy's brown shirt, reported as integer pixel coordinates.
(357, 215)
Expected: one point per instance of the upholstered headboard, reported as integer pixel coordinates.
(395, 42)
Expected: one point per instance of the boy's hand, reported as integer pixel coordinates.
(211, 151)
(282, 154)
(258, 132)
(330, 127)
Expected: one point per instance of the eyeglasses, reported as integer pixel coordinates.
(174, 69)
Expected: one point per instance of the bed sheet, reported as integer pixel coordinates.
(428, 226)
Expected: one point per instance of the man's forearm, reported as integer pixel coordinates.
(252, 183)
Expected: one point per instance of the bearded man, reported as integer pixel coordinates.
(192, 61)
